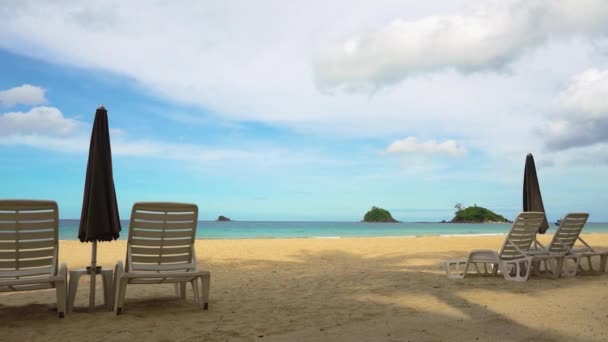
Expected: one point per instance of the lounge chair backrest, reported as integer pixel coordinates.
(568, 232)
(521, 235)
(28, 239)
(161, 237)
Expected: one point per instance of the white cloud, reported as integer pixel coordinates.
(117, 132)
(255, 66)
(42, 120)
(411, 145)
(587, 94)
(580, 115)
(151, 149)
(485, 39)
(179, 151)
(50, 143)
(47, 128)
(25, 94)
(595, 156)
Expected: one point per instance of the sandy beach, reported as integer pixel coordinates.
(356, 289)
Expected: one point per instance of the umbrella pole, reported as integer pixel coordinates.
(93, 274)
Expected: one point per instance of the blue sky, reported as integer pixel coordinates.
(293, 112)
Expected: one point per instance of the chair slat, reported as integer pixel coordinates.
(161, 216)
(18, 225)
(164, 267)
(36, 244)
(522, 234)
(27, 254)
(48, 270)
(163, 280)
(163, 225)
(36, 286)
(138, 241)
(14, 264)
(167, 250)
(568, 232)
(27, 205)
(157, 233)
(26, 235)
(27, 216)
(155, 259)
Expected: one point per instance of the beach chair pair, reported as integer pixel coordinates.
(564, 243)
(160, 249)
(521, 253)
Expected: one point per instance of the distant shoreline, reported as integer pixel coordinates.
(360, 237)
(271, 230)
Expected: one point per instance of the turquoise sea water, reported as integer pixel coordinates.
(272, 229)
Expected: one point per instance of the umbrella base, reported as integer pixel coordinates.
(107, 281)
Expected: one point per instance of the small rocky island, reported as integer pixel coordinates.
(477, 214)
(223, 218)
(376, 214)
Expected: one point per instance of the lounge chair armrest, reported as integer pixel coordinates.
(457, 268)
(483, 251)
(483, 255)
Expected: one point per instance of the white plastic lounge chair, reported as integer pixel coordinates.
(564, 241)
(29, 248)
(514, 258)
(160, 249)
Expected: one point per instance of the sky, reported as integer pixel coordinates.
(312, 111)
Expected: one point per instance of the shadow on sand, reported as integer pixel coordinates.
(344, 296)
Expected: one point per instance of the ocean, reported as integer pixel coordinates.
(68, 229)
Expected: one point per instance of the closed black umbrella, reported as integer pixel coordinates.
(533, 201)
(99, 220)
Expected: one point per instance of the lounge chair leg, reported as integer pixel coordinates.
(61, 305)
(537, 267)
(589, 269)
(73, 287)
(488, 269)
(553, 265)
(197, 299)
(518, 269)
(589, 261)
(120, 287)
(466, 268)
(549, 265)
(60, 289)
(454, 269)
(601, 267)
(559, 266)
(205, 287)
(108, 289)
(182, 290)
(121, 291)
(567, 271)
